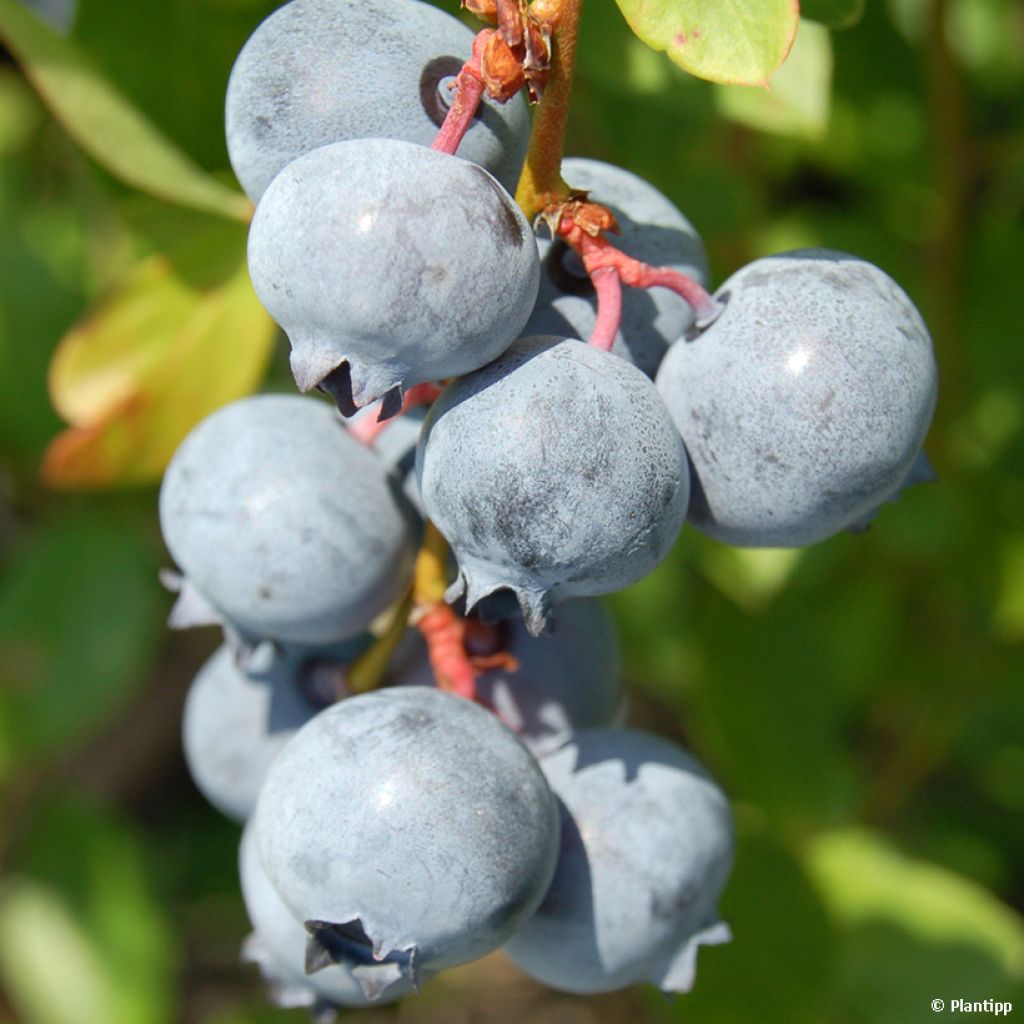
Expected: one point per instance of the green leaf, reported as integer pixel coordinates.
(178, 338)
(862, 878)
(80, 615)
(912, 931)
(752, 577)
(799, 100)
(833, 13)
(768, 709)
(720, 40)
(105, 124)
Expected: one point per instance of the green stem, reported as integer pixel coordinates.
(541, 182)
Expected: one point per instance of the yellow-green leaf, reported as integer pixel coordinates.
(165, 349)
(105, 124)
(729, 41)
(34, 925)
(862, 879)
(799, 100)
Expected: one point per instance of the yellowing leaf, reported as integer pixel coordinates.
(105, 124)
(729, 41)
(799, 100)
(164, 350)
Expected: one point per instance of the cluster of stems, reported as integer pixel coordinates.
(583, 225)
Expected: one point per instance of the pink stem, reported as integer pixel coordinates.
(598, 253)
(706, 306)
(609, 307)
(469, 90)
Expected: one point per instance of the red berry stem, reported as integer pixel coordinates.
(444, 632)
(469, 90)
(608, 287)
(597, 253)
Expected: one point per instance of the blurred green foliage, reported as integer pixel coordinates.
(861, 701)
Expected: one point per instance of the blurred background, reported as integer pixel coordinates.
(862, 702)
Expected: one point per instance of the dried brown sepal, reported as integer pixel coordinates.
(546, 12)
(525, 57)
(536, 59)
(512, 17)
(592, 218)
(502, 70)
(485, 10)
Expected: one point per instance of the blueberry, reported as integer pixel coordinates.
(553, 472)
(409, 829)
(646, 848)
(805, 404)
(286, 526)
(321, 71)
(389, 264)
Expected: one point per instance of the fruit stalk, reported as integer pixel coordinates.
(597, 253)
(608, 288)
(469, 90)
(441, 628)
(541, 184)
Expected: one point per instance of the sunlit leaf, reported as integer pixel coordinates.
(913, 931)
(730, 41)
(105, 124)
(834, 13)
(178, 339)
(750, 576)
(800, 96)
(37, 931)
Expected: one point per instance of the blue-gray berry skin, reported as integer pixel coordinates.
(410, 827)
(389, 264)
(646, 848)
(653, 231)
(277, 946)
(805, 404)
(288, 527)
(921, 472)
(320, 71)
(554, 472)
(236, 719)
(568, 679)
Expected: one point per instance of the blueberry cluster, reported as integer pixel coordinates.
(393, 833)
